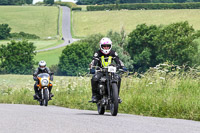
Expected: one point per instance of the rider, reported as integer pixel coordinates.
(105, 52)
(41, 69)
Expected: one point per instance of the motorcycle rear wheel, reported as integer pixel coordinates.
(114, 103)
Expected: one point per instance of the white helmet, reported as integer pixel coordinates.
(42, 64)
(105, 45)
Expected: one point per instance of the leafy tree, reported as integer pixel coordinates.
(176, 43)
(142, 48)
(151, 45)
(4, 31)
(75, 59)
(17, 57)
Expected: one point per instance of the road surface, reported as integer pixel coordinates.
(15, 118)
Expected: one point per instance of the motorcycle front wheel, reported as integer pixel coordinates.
(101, 109)
(114, 100)
(46, 97)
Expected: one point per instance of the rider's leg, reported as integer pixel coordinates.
(94, 84)
(118, 85)
(50, 88)
(36, 90)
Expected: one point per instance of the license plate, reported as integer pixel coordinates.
(112, 69)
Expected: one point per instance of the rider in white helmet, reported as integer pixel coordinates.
(41, 69)
(105, 51)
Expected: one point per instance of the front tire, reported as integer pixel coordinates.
(101, 109)
(46, 97)
(114, 98)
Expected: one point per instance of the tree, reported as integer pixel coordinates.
(75, 59)
(142, 48)
(151, 45)
(51, 2)
(17, 57)
(176, 43)
(4, 31)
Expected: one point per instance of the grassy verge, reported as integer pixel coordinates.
(153, 95)
(87, 23)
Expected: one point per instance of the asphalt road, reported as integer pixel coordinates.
(66, 30)
(16, 118)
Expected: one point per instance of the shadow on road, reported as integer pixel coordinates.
(92, 114)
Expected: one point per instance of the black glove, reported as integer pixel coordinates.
(92, 71)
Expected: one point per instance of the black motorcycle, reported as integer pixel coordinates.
(108, 90)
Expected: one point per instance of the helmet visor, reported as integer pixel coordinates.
(106, 46)
(42, 66)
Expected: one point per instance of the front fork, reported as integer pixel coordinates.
(42, 92)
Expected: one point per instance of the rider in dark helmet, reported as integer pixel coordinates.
(41, 69)
(104, 52)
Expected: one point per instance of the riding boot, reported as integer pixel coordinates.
(94, 91)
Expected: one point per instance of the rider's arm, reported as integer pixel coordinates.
(49, 72)
(119, 63)
(94, 63)
(95, 60)
(35, 74)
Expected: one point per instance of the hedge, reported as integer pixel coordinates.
(146, 6)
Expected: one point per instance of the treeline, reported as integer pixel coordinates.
(15, 2)
(100, 2)
(145, 47)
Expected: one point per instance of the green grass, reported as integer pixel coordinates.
(87, 23)
(153, 95)
(40, 44)
(51, 57)
(39, 20)
(43, 44)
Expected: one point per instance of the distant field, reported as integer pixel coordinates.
(40, 44)
(39, 20)
(51, 56)
(86, 23)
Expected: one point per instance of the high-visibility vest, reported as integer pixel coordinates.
(104, 63)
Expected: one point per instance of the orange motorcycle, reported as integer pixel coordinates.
(43, 86)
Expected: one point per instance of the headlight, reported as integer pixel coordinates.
(45, 82)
